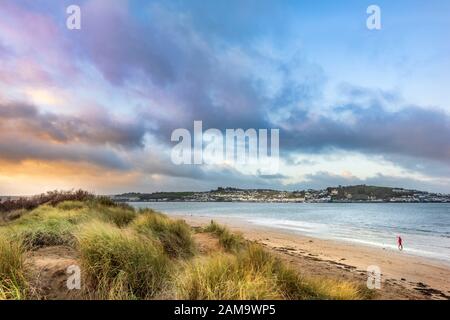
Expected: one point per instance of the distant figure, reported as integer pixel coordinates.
(400, 243)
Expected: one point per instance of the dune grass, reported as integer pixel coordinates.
(128, 254)
(55, 225)
(12, 271)
(119, 214)
(291, 283)
(174, 235)
(121, 263)
(255, 274)
(220, 277)
(229, 241)
(50, 198)
(45, 226)
(102, 208)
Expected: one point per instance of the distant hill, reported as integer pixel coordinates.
(363, 192)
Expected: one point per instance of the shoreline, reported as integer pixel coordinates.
(378, 227)
(404, 276)
(286, 202)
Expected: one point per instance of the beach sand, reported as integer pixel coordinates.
(404, 276)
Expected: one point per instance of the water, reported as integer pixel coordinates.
(424, 227)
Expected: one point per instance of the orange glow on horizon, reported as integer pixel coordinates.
(34, 177)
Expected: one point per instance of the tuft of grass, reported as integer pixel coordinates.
(12, 271)
(11, 215)
(331, 289)
(219, 277)
(254, 273)
(120, 264)
(175, 235)
(46, 226)
(292, 284)
(71, 205)
(104, 201)
(229, 241)
(55, 225)
(120, 215)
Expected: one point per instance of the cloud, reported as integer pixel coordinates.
(102, 129)
(16, 148)
(97, 138)
(33, 46)
(227, 88)
(185, 76)
(410, 131)
(170, 69)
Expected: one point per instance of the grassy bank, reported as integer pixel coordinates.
(128, 254)
(13, 284)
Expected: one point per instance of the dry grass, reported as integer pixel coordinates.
(220, 277)
(126, 254)
(230, 241)
(12, 271)
(119, 214)
(120, 263)
(175, 235)
(51, 198)
(255, 274)
(44, 226)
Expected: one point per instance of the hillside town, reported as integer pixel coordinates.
(346, 194)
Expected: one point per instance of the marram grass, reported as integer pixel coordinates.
(254, 274)
(119, 262)
(229, 241)
(12, 271)
(127, 254)
(174, 235)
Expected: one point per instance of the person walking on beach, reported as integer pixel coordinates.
(400, 243)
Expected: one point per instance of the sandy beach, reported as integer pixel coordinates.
(404, 276)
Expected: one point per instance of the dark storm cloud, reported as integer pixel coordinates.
(16, 149)
(164, 50)
(411, 131)
(92, 130)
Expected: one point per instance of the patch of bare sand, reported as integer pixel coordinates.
(48, 272)
(206, 243)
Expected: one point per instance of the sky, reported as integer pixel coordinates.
(95, 108)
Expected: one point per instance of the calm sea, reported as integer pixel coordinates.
(425, 228)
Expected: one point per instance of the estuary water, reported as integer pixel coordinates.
(424, 227)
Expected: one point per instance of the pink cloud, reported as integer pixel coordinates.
(36, 49)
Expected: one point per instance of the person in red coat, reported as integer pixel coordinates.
(400, 243)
